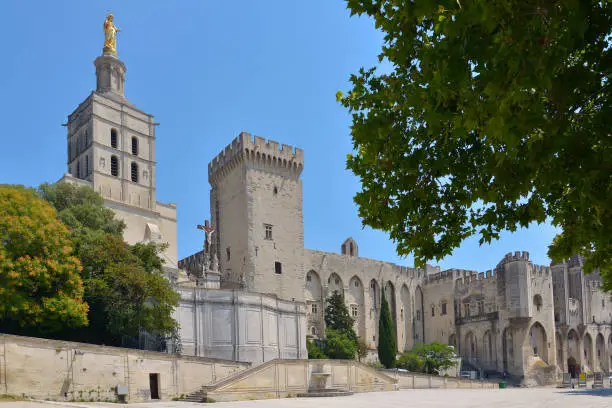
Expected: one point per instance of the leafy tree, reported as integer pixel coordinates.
(428, 358)
(494, 115)
(40, 286)
(314, 351)
(339, 345)
(124, 284)
(386, 335)
(337, 316)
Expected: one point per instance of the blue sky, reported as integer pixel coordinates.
(208, 70)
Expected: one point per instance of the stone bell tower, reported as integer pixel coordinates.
(111, 147)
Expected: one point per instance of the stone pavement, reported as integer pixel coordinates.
(452, 398)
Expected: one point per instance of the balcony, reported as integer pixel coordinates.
(477, 318)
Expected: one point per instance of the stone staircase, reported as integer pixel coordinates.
(292, 378)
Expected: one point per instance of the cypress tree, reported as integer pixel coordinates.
(386, 335)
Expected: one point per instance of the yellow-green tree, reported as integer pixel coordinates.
(40, 283)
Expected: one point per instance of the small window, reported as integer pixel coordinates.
(275, 190)
(313, 331)
(603, 303)
(134, 168)
(337, 281)
(351, 251)
(354, 310)
(418, 315)
(86, 165)
(443, 308)
(78, 170)
(308, 277)
(314, 309)
(114, 166)
(433, 311)
(278, 267)
(467, 309)
(402, 313)
(114, 138)
(481, 308)
(227, 251)
(356, 283)
(374, 338)
(268, 229)
(135, 146)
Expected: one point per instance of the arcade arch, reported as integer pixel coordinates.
(538, 341)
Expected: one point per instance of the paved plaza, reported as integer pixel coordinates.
(455, 398)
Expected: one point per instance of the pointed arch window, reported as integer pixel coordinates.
(114, 166)
(113, 136)
(134, 171)
(86, 166)
(78, 170)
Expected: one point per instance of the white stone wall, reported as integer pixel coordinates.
(240, 326)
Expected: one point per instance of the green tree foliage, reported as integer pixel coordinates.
(314, 351)
(124, 284)
(386, 335)
(337, 316)
(40, 283)
(494, 115)
(428, 358)
(340, 345)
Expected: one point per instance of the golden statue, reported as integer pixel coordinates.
(110, 35)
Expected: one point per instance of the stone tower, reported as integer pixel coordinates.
(256, 206)
(111, 147)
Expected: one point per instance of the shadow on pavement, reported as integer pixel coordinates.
(599, 392)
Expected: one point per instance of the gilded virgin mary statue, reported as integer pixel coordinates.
(110, 35)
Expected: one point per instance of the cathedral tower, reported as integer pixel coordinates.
(256, 206)
(111, 147)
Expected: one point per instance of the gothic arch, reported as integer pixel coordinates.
(313, 286)
(405, 317)
(601, 363)
(588, 351)
(507, 348)
(487, 345)
(374, 294)
(355, 298)
(390, 297)
(419, 316)
(470, 346)
(334, 283)
(559, 354)
(538, 341)
(573, 349)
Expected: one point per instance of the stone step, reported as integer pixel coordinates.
(328, 392)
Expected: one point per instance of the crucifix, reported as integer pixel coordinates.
(208, 231)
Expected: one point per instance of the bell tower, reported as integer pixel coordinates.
(111, 147)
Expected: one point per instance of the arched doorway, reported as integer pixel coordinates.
(538, 341)
(419, 317)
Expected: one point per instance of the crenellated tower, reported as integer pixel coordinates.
(256, 206)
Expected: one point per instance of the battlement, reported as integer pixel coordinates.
(518, 256)
(265, 154)
(540, 270)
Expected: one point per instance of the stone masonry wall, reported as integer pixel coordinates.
(59, 370)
